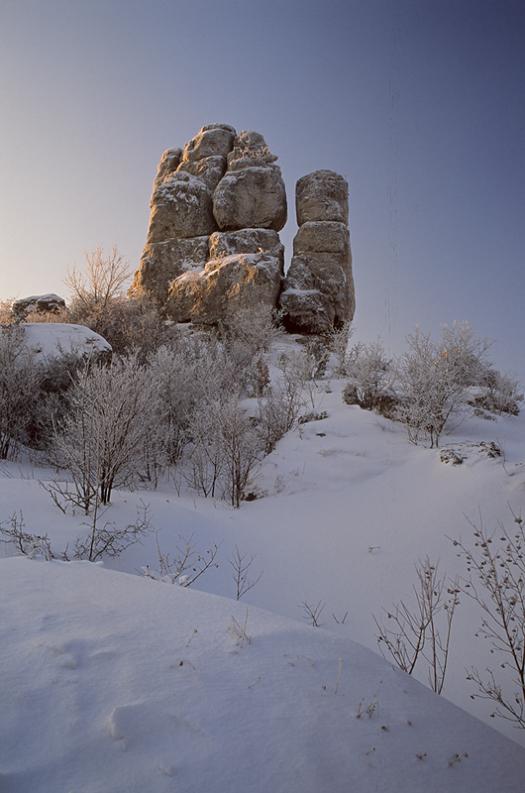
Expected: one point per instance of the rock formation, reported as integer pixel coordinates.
(213, 245)
(318, 292)
(39, 304)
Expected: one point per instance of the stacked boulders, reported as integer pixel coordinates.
(318, 292)
(213, 245)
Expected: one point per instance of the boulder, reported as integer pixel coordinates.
(321, 195)
(162, 262)
(212, 140)
(225, 286)
(181, 207)
(41, 304)
(322, 237)
(227, 243)
(249, 149)
(51, 340)
(318, 292)
(167, 164)
(209, 169)
(252, 197)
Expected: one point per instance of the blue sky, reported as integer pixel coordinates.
(421, 105)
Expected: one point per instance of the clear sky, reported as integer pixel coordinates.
(419, 103)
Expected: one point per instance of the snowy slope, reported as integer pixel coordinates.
(348, 507)
(112, 682)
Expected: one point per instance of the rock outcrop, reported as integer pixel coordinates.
(40, 304)
(213, 243)
(318, 292)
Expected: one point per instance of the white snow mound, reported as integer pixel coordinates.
(112, 682)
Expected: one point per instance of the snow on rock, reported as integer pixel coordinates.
(112, 682)
(52, 339)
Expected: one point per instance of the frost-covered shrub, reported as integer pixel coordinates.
(20, 378)
(430, 390)
(279, 412)
(338, 341)
(101, 438)
(500, 394)
(465, 353)
(371, 379)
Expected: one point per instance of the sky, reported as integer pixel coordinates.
(420, 104)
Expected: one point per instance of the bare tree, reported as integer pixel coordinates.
(430, 391)
(103, 280)
(240, 445)
(241, 564)
(100, 440)
(422, 630)
(495, 580)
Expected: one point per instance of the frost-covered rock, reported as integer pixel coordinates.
(318, 292)
(209, 169)
(252, 197)
(249, 150)
(167, 164)
(50, 340)
(226, 243)
(211, 140)
(321, 195)
(162, 262)
(181, 207)
(226, 285)
(40, 304)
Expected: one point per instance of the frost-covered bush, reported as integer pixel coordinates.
(500, 394)
(371, 378)
(279, 412)
(20, 379)
(101, 439)
(338, 341)
(430, 390)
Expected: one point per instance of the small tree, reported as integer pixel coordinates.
(100, 440)
(240, 447)
(430, 391)
(102, 281)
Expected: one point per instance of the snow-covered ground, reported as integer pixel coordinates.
(112, 682)
(346, 507)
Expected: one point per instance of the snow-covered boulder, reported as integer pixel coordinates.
(113, 682)
(50, 340)
(40, 304)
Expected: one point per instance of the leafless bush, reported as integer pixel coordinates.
(495, 580)
(430, 391)
(20, 377)
(6, 312)
(372, 377)
(279, 412)
(186, 567)
(26, 544)
(312, 612)
(103, 279)
(338, 341)
(500, 394)
(422, 630)
(240, 446)
(107, 540)
(241, 564)
(100, 440)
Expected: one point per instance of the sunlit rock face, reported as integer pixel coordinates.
(318, 292)
(213, 246)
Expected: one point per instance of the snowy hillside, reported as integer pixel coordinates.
(116, 683)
